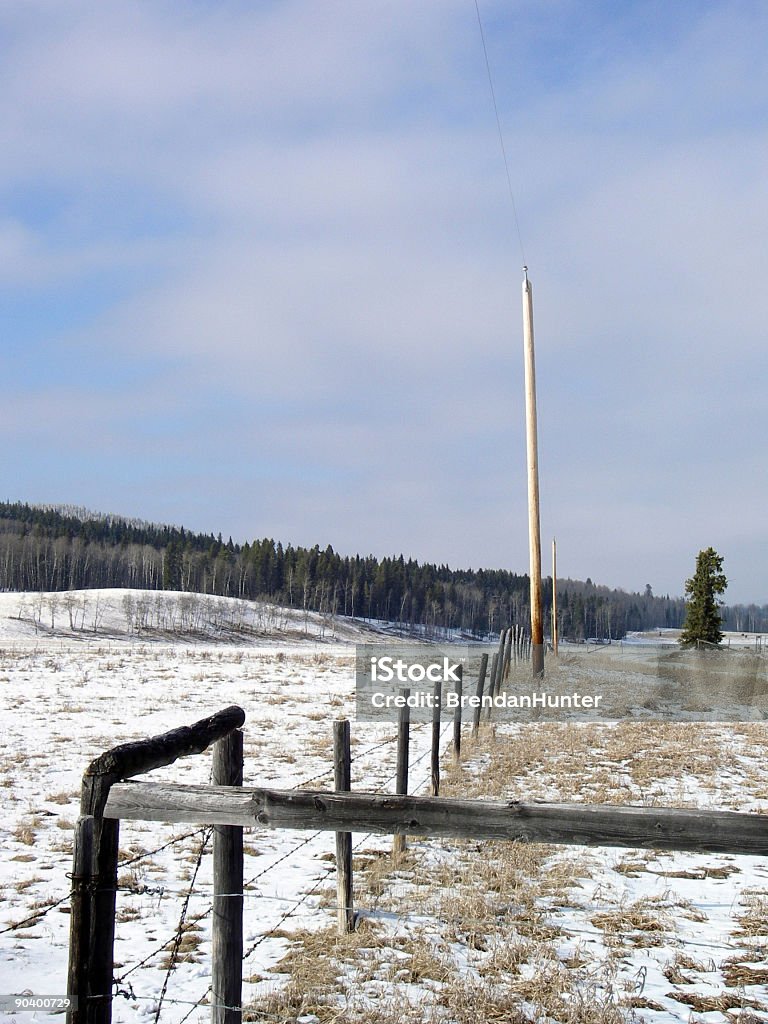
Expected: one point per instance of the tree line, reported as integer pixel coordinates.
(46, 548)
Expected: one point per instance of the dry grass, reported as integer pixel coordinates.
(739, 974)
(471, 925)
(716, 1003)
(26, 831)
(753, 917)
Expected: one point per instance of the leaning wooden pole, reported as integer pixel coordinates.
(534, 529)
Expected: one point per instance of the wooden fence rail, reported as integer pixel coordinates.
(658, 828)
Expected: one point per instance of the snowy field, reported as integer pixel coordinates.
(456, 931)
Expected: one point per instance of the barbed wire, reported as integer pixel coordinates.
(189, 893)
(151, 853)
(38, 915)
(357, 757)
(182, 917)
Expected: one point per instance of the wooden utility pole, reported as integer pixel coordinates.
(534, 529)
(554, 597)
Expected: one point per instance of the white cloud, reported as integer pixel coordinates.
(311, 199)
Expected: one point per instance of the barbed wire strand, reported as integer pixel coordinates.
(151, 853)
(182, 917)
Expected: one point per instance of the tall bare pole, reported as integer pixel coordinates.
(534, 529)
(554, 596)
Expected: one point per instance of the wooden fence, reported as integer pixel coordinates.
(107, 797)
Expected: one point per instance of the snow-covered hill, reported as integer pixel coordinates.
(131, 615)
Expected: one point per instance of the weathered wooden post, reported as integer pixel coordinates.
(507, 655)
(401, 780)
(492, 678)
(80, 915)
(479, 694)
(457, 712)
(499, 664)
(342, 778)
(227, 926)
(437, 702)
(94, 884)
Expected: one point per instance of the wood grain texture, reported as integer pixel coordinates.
(660, 828)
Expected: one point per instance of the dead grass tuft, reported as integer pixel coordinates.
(715, 1003)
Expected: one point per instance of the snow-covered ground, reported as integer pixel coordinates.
(673, 937)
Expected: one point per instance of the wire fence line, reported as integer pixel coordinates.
(295, 904)
(188, 893)
(124, 988)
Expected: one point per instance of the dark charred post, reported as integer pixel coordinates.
(129, 759)
(479, 694)
(437, 706)
(80, 921)
(401, 782)
(227, 926)
(494, 666)
(92, 930)
(93, 911)
(342, 777)
(457, 711)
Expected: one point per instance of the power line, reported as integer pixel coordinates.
(501, 134)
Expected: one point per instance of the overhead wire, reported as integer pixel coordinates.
(501, 133)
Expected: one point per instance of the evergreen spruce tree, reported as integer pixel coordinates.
(702, 620)
(172, 566)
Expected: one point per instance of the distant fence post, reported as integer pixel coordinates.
(496, 684)
(479, 694)
(491, 683)
(342, 778)
(457, 711)
(434, 774)
(401, 782)
(507, 655)
(227, 922)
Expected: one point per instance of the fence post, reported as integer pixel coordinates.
(457, 714)
(92, 927)
(342, 778)
(496, 682)
(507, 655)
(401, 782)
(491, 682)
(479, 694)
(437, 701)
(227, 927)
(80, 919)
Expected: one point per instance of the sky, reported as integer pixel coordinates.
(260, 274)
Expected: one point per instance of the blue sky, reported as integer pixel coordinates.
(259, 274)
